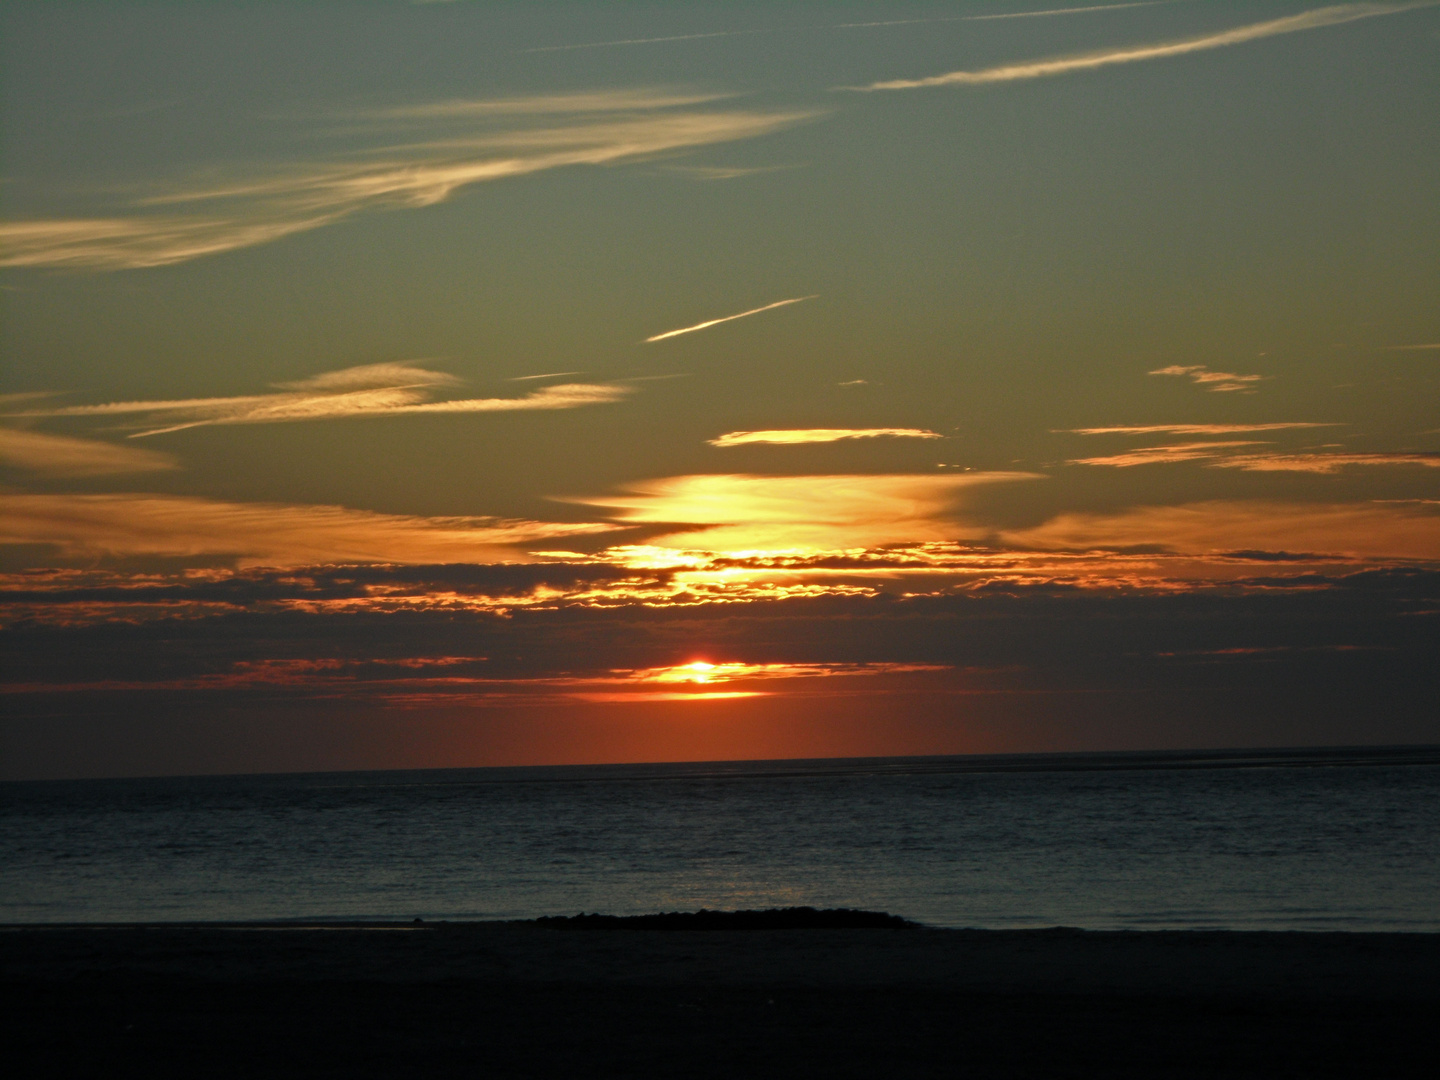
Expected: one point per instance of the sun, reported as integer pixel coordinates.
(699, 671)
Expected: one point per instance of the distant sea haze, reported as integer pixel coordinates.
(1319, 839)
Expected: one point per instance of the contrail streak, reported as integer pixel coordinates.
(728, 318)
(1007, 15)
(842, 26)
(1060, 65)
(1066, 11)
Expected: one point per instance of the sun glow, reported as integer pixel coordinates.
(704, 672)
(699, 671)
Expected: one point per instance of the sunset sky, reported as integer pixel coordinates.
(395, 385)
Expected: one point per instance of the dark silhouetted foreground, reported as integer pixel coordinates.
(521, 1000)
(792, 918)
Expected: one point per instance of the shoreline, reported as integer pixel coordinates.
(1297, 965)
(524, 1000)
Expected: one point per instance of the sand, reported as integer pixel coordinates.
(497, 999)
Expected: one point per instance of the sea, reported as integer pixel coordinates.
(1329, 839)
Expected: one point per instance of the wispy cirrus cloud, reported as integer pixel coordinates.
(836, 26)
(1333, 15)
(789, 436)
(1217, 382)
(186, 220)
(586, 101)
(262, 534)
(648, 40)
(699, 678)
(1331, 462)
(61, 456)
(729, 318)
(425, 680)
(742, 512)
(1154, 455)
(1226, 454)
(391, 389)
(1349, 529)
(127, 243)
(725, 172)
(1046, 13)
(1191, 429)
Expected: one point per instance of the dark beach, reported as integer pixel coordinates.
(518, 999)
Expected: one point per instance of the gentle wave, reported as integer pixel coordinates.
(1311, 839)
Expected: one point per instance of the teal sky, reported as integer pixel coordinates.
(1219, 217)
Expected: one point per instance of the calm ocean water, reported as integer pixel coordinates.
(1333, 839)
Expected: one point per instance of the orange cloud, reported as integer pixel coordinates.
(704, 673)
(57, 455)
(1214, 381)
(1364, 529)
(631, 697)
(383, 680)
(261, 534)
(788, 436)
(1190, 429)
(739, 512)
(1222, 455)
(1151, 455)
(1323, 463)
